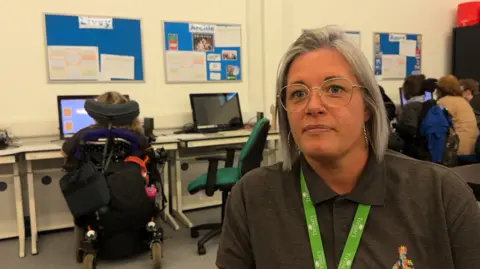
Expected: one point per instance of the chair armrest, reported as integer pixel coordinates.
(227, 148)
(211, 158)
(211, 184)
(230, 154)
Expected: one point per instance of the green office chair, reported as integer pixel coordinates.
(224, 179)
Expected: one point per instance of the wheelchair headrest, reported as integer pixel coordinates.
(116, 114)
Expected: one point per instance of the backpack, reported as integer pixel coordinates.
(110, 179)
(436, 127)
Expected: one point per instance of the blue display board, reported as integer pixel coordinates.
(199, 52)
(397, 55)
(83, 48)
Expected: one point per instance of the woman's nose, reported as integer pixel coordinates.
(315, 105)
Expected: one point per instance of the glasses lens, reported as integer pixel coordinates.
(336, 92)
(294, 97)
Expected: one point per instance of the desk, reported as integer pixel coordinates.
(45, 148)
(208, 140)
(7, 157)
(48, 148)
(471, 174)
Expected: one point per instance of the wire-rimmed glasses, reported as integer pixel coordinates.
(334, 92)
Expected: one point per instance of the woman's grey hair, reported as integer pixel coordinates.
(334, 37)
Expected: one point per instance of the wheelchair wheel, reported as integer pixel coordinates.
(89, 262)
(157, 255)
(78, 237)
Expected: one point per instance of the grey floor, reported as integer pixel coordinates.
(56, 250)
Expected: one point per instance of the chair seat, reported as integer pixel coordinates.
(468, 159)
(225, 177)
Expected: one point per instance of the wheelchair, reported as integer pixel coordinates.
(99, 230)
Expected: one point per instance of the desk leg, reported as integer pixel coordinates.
(178, 209)
(166, 191)
(19, 206)
(32, 208)
(272, 152)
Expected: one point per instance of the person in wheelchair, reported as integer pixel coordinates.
(111, 184)
(69, 147)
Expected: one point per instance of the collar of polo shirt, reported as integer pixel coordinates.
(370, 188)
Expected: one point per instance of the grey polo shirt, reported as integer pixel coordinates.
(422, 214)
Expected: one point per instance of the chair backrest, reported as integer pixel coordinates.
(251, 155)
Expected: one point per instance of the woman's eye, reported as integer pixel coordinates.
(335, 89)
(298, 94)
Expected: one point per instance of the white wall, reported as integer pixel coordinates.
(433, 19)
(28, 102)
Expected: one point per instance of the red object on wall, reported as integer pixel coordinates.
(468, 13)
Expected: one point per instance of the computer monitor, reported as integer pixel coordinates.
(72, 116)
(403, 100)
(216, 111)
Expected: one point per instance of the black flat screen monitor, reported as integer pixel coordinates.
(72, 116)
(216, 111)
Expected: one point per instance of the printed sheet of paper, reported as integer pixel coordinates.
(394, 66)
(408, 48)
(73, 63)
(215, 66)
(186, 66)
(355, 37)
(228, 36)
(215, 76)
(117, 66)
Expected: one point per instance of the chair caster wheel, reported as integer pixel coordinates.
(194, 233)
(79, 255)
(202, 251)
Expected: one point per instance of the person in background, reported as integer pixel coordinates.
(413, 91)
(429, 86)
(69, 147)
(471, 94)
(340, 199)
(450, 96)
(470, 88)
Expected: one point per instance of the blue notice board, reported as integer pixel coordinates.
(202, 52)
(84, 48)
(397, 55)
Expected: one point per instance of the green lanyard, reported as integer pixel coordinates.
(353, 239)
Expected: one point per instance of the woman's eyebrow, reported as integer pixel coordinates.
(324, 79)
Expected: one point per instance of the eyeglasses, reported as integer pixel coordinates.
(334, 92)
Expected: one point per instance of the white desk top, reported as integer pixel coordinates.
(207, 136)
(52, 143)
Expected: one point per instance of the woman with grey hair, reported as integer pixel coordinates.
(340, 199)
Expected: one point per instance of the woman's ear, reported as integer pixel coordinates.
(367, 114)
